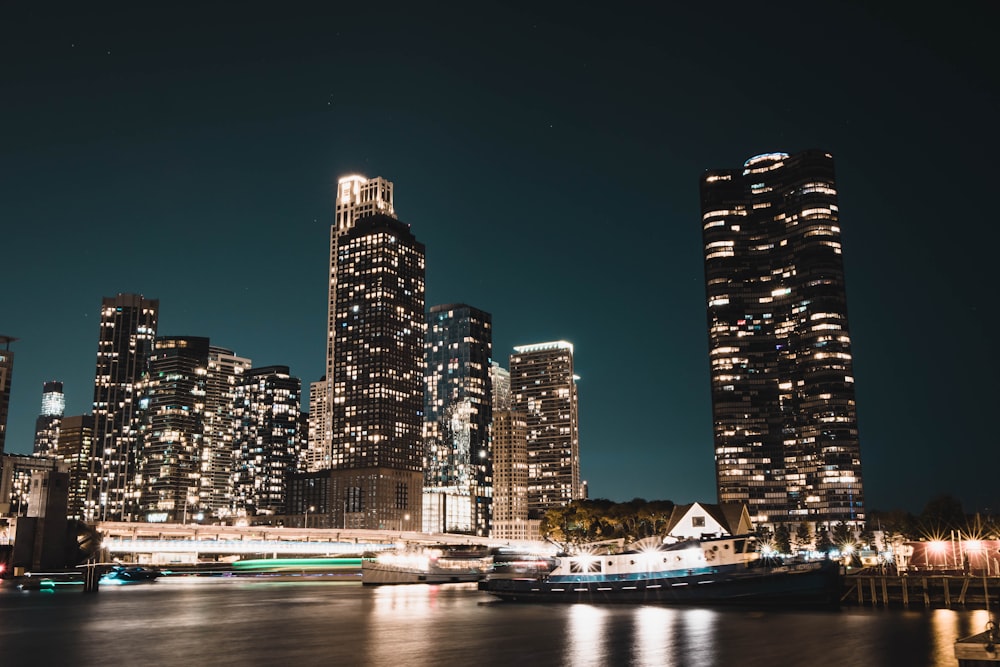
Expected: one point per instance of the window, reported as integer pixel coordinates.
(697, 522)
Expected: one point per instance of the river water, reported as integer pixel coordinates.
(299, 623)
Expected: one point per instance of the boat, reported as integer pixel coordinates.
(714, 571)
(130, 574)
(440, 564)
(979, 649)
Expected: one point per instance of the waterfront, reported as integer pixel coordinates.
(192, 621)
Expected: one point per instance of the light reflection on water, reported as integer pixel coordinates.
(255, 622)
(585, 636)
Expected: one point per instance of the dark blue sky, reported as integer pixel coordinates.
(549, 160)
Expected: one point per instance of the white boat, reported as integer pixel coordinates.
(718, 571)
(440, 564)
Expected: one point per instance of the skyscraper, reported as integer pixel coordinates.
(375, 373)
(225, 374)
(76, 435)
(127, 331)
(6, 372)
(173, 430)
(317, 452)
(458, 475)
(49, 418)
(268, 445)
(357, 196)
(785, 428)
(543, 388)
(509, 439)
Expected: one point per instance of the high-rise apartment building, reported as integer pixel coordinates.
(317, 453)
(375, 367)
(268, 445)
(225, 374)
(543, 388)
(357, 196)
(458, 410)
(785, 428)
(509, 439)
(76, 441)
(173, 430)
(127, 331)
(49, 418)
(6, 372)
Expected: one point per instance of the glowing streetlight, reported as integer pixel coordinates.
(311, 508)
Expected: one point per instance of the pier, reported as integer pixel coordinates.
(921, 590)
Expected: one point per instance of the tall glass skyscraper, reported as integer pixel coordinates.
(49, 418)
(268, 445)
(543, 390)
(225, 374)
(785, 427)
(458, 476)
(127, 331)
(375, 373)
(173, 428)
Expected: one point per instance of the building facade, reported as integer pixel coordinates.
(458, 410)
(509, 440)
(76, 441)
(783, 406)
(376, 373)
(225, 374)
(171, 487)
(49, 418)
(543, 388)
(127, 331)
(6, 373)
(267, 447)
(317, 453)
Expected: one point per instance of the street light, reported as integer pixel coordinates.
(309, 509)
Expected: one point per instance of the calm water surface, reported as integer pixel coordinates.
(253, 622)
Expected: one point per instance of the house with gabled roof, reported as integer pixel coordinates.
(698, 520)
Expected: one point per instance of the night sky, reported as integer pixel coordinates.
(549, 159)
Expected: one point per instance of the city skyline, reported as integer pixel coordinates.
(197, 165)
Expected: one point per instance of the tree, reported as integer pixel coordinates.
(843, 535)
(782, 539)
(823, 542)
(803, 537)
(942, 515)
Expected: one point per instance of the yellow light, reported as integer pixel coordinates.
(937, 546)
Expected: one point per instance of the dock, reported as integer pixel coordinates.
(932, 591)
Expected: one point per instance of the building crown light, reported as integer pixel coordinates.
(539, 347)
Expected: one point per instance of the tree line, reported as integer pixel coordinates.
(596, 520)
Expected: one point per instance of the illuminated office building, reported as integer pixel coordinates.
(6, 372)
(76, 440)
(376, 373)
(49, 418)
(268, 444)
(458, 476)
(543, 388)
(173, 429)
(225, 374)
(509, 440)
(785, 428)
(357, 196)
(127, 330)
(317, 453)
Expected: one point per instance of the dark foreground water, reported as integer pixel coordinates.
(254, 622)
